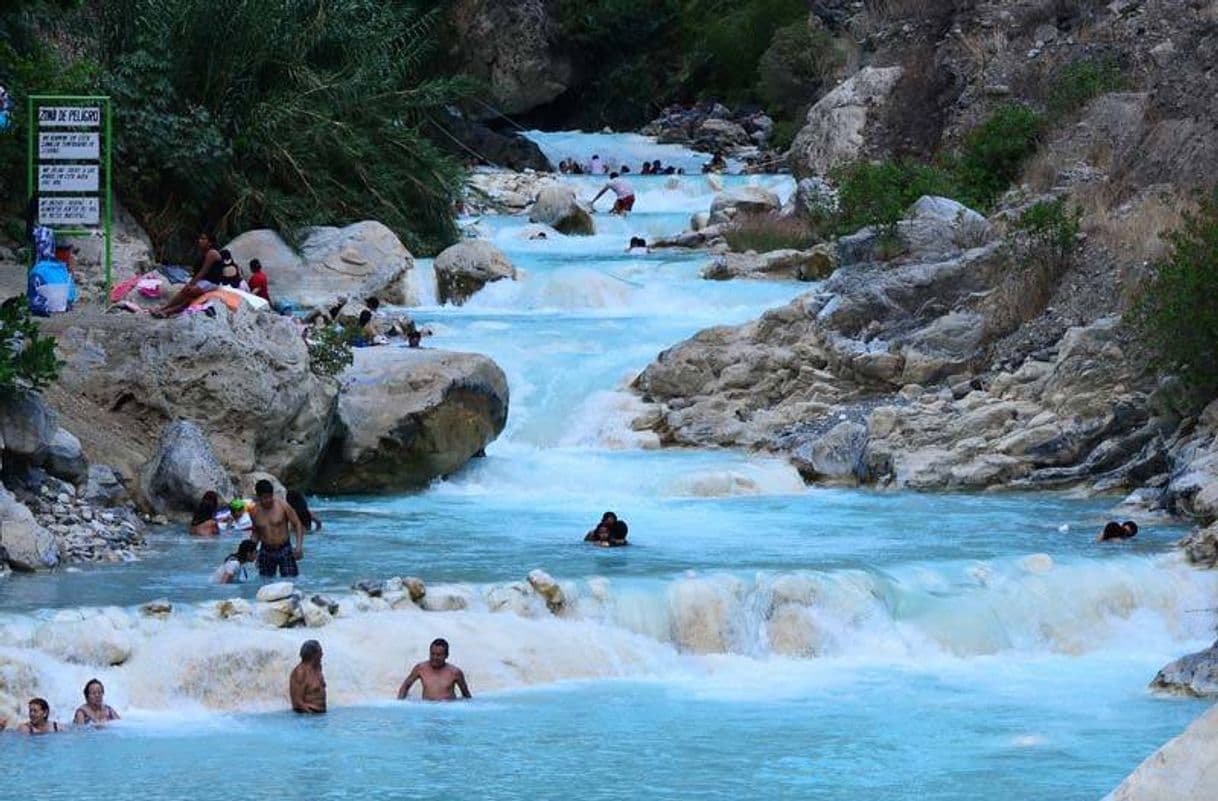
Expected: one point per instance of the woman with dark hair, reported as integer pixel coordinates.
(94, 710)
(203, 523)
(297, 501)
(233, 569)
(39, 722)
(206, 278)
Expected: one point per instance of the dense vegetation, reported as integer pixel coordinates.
(27, 359)
(1177, 312)
(234, 114)
(640, 55)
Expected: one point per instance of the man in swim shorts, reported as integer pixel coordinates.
(623, 191)
(271, 517)
(307, 685)
(440, 679)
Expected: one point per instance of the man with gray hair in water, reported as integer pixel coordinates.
(307, 686)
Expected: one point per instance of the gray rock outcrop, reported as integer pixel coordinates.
(742, 200)
(1194, 674)
(1184, 768)
(835, 131)
(27, 426)
(513, 47)
(464, 268)
(802, 265)
(558, 207)
(64, 456)
(357, 261)
(183, 468)
(243, 378)
(410, 416)
(27, 544)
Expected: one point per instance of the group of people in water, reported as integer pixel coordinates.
(610, 532)
(266, 519)
(440, 681)
(597, 166)
(93, 712)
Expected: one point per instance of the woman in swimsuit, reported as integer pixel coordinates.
(39, 723)
(94, 710)
(204, 524)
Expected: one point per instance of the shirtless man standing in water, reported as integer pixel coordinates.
(439, 678)
(307, 686)
(271, 517)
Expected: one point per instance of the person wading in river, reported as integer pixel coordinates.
(307, 685)
(439, 678)
(271, 517)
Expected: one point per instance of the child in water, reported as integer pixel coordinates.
(233, 569)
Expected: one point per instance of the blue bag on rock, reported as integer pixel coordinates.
(50, 288)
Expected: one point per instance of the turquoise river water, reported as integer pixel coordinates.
(759, 637)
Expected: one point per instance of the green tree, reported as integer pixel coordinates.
(27, 358)
(1177, 311)
(280, 113)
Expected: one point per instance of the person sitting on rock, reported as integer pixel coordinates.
(366, 335)
(94, 711)
(1118, 531)
(625, 195)
(203, 523)
(233, 569)
(230, 274)
(258, 284)
(39, 722)
(310, 521)
(206, 278)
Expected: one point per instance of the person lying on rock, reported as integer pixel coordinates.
(307, 684)
(206, 278)
(440, 679)
(94, 711)
(1118, 531)
(203, 523)
(233, 569)
(39, 722)
(622, 190)
(271, 517)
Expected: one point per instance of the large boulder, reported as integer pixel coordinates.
(1194, 674)
(28, 545)
(356, 261)
(65, 458)
(27, 426)
(836, 128)
(512, 46)
(511, 150)
(558, 207)
(243, 378)
(1184, 768)
(183, 468)
(804, 265)
(466, 267)
(410, 416)
(835, 456)
(743, 200)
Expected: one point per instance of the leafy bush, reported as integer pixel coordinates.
(879, 193)
(330, 350)
(798, 64)
(280, 113)
(1080, 81)
(27, 359)
(725, 41)
(992, 155)
(1050, 232)
(1177, 312)
(766, 232)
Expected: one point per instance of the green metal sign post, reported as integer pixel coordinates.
(69, 156)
